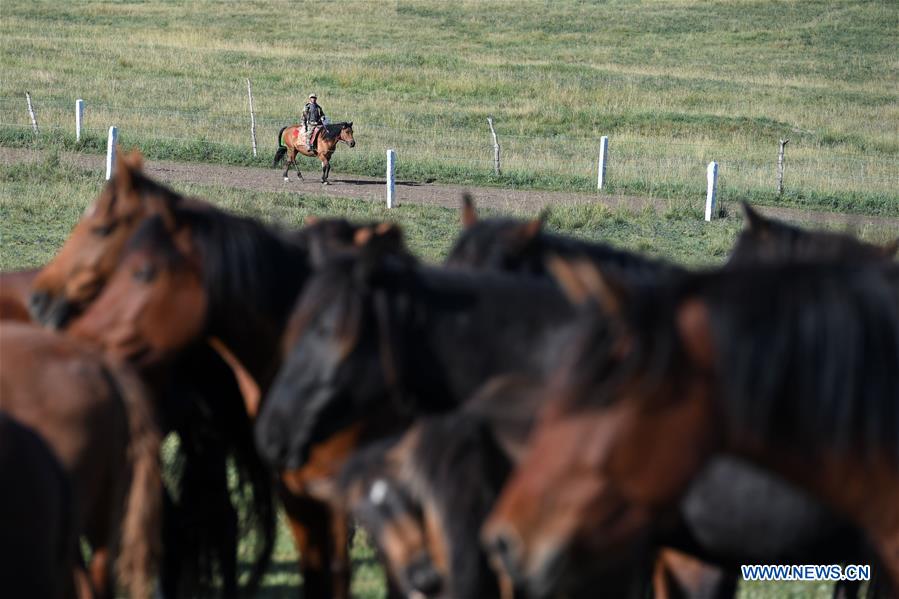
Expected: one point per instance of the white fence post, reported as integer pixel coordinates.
(495, 146)
(391, 177)
(110, 151)
(79, 118)
(252, 117)
(603, 159)
(31, 113)
(712, 190)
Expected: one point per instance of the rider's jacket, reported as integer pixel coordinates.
(312, 115)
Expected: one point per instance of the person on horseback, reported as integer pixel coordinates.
(313, 116)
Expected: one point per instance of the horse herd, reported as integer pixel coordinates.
(537, 417)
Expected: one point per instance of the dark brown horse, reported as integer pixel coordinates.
(734, 513)
(424, 500)
(39, 540)
(98, 420)
(766, 240)
(502, 244)
(292, 141)
(795, 368)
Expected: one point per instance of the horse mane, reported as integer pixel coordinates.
(807, 355)
(214, 430)
(810, 354)
(332, 130)
(249, 268)
(768, 240)
(504, 244)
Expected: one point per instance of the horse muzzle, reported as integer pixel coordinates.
(50, 311)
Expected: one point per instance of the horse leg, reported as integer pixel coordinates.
(291, 157)
(170, 568)
(299, 174)
(308, 522)
(679, 575)
(340, 556)
(100, 572)
(326, 168)
(887, 546)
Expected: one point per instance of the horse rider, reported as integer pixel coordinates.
(313, 116)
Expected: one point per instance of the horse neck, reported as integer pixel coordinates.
(629, 267)
(460, 330)
(249, 308)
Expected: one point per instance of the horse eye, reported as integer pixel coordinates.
(145, 273)
(103, 230)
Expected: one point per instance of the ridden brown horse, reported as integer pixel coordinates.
(795, 368)
(98, 420)
(292, 141)
(39, 540)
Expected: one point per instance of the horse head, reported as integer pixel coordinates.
(767, 240)
(341, 360)
(346, 134)
(154, 304)
(79, 271)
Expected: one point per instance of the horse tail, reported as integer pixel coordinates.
(140, 542)
(282, 149)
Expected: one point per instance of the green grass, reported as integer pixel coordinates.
(674, 85)
(39, 204)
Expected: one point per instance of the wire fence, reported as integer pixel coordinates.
(442, 149)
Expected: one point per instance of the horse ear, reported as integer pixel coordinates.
(362, 236)
(383, 237)
(889, 250)
(310, 220)
(125, 169)
(249, 388)
(469, 212)
(531, 229)
(755, 222)
(128, 166)
(694, 328)
(582, 281)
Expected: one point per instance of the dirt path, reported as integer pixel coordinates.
(372, 189)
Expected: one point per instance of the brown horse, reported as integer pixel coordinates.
(68, 285)
(177, 287)
(292, 141)
(795, 368)
(98, 420)
(39, 540)
(69, 282)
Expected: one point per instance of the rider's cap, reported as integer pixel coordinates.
(313, 96)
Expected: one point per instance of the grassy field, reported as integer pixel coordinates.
(673, 84)
(39, 204)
